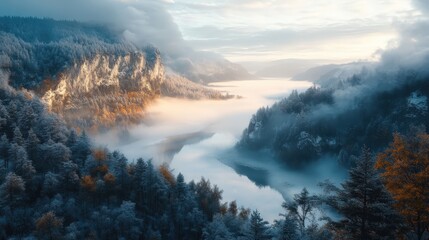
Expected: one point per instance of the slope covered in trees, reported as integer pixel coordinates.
(363, 109)
(55, 184)
(87, 73)
(180, 87)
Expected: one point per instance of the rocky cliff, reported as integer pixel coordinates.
(104, 90)
(87, 73)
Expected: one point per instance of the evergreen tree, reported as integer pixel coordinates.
(72, 139)
(81, 149)
(12, 190)
(258, 228)
(4, 150)
(120, 172)
(69, 172)
(4, 116)
(364, 203)
(288, 229)
(180, 187)
(23, 166)
(17, 137)
(53, 155)
(216, 230)
(26, 118)
(31, 145)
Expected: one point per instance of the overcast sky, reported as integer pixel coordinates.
(245, 30)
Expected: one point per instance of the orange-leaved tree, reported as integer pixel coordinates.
(405, 166)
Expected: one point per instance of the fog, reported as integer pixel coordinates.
(197, 138)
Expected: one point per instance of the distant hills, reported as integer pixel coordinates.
(304, 69)
(331, 74)
(283, 68)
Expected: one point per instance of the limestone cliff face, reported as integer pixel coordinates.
(85, 72)
(105, 90)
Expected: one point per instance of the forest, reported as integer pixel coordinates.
(336, 121)
(56, 184)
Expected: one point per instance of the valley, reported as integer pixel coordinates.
(214, 120)
(197, 138)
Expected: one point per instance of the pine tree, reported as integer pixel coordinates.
(4, 150)
(120, 172)
(69, 172)
(23, 166)
(156, 190)
(216, 230)
(139, 171)
(31, 145)
(17, 137)
(127, 224)
(288, 229)
(26, 118)
(81, 149)
(364, 203)
(180, 189)
(72, 139)
(12, 190)
(258, 228)
(4, 116)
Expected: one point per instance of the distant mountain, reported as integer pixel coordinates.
(283, 68)
(204, 67)
(332, 72)
(87, 73)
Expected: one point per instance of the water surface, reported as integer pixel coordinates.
(196, 137)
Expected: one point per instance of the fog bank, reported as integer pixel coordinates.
(197, 137)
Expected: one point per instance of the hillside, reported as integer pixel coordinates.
(180, 87)
(55, 184)
(338, 118)
(204, 67)
(86, 73)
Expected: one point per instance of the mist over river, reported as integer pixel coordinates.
(197, 139)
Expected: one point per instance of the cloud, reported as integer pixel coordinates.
(143, 21)
(239, 43)
(422, 5)
(243, 30)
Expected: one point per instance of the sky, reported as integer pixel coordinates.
(245, 30)
(255, 30)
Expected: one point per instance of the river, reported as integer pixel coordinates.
(196, 138)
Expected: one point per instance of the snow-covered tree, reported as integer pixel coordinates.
(258, 228)
(364, 204)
